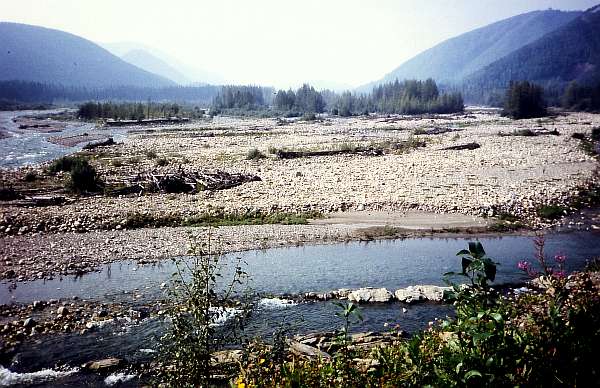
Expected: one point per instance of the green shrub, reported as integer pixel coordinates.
(151, 154)
(199, 295)
(545, 338)
(83, 177)
(65, 163)
(309, 117)
(254, 154)
(551, 212)
(8, 194)
(30, 176)
(161, 162)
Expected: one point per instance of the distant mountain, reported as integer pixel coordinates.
(456, 58)
(569, 53)
(192, 75)
(32, 53)
(144, 60)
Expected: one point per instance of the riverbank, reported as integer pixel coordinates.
(27, 257)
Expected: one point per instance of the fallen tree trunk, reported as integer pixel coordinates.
(282, 154)
(468, 146)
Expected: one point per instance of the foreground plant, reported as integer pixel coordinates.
(203, 315)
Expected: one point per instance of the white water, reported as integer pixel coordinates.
(8, 378)
(276, 303)
(117, 378)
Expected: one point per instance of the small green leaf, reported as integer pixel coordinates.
(463, 252)
(472, 373)
(465, 264)
(497, 317)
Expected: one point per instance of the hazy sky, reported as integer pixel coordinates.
(278, 42)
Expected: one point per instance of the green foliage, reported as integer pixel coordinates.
(551, 212)
(127, 110)
(581, 98)
(414, 97)
(65, 164)
(255, 154)
(524, 100)
(150, 154)
(305, 100)
(161, 162)
(240, 97)
(218, 218)
(309, 117)
(82, 176)
(30, 176)
(200, 298)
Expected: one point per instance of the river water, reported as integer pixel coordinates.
(28, 147)
(392, 264)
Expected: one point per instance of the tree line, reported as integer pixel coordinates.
(407, 97)
(582, 97)
(36, 92)
(127, 111)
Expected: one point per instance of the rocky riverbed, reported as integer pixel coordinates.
(507, 174)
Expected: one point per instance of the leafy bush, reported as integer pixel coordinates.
(83, 177)
(8, 194)
(151, 154)
(309, 117)
(65, 163)
(161, 162)
(254, 154)
(30, 176)
(199, 297)
(551, 212)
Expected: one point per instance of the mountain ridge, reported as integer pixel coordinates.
(456, 58)
(40, 54)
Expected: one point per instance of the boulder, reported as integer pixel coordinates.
(301, 349)
(414, 294)
(370, 295)
(103, 365)
(224, 357)
(62, 310)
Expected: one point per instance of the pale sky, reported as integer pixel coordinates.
(278, 42)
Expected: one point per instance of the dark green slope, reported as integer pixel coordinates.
(570, 53)
(456, 58)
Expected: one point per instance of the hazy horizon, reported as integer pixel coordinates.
(278, 43)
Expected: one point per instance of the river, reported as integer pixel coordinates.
(274, 272)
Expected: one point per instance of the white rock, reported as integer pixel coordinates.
(413, 294)
(371, 295)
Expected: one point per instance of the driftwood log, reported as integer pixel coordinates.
(468, 146)
(282, 154)
(183, 182)
(101, 143)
